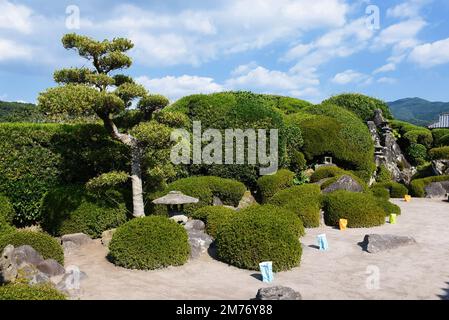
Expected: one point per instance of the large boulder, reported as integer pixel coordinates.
(345, 182)
(278, 293)
(77, 238)
(440, 167)
(106, 237)
(197, 225)
(51, 268)
(246, 201)
(199, 242)
(374, 243)
(437, 190)
(8, 269)
(26, 255)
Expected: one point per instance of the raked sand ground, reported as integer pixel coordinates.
(415, 272)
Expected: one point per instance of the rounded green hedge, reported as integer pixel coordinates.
(360, 209)
(383, 174)
(363, 106)
(380, 192)
(70, 209)
(43, 243)
(395, 189)
(20, 291)
(269, 185)
(204, 188)
(417, 153)
(7, 212)
(149, 243)
(214, 217)
(261, 233)
(304, 200)
(439, 153)
(440, 137)
(417, 186)
(388, 207)
(326, 172)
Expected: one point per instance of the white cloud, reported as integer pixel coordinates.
(402, 34)
(177, 87)
(10, 50)
(431, 54)
(351, 76)
(15, 17)
(408, 9)
(386, 68)
(387, 80)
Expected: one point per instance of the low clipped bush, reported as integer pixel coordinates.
(214, 217)
(444, 141)
(383, 174)
(439, 153)
(395, 189)
(304, 200)
(269, 185)
(204, 188)
(439, 135)
(360, 209)
(326, 172)
(71, 209)
(417, 153)
(388, 207)
(21, 291)
(149, 243)
(417, 186)
(261, 233)
(419, 136)
(380, 192)
(43, 243)
(6, 210)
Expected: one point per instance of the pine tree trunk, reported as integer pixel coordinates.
(136, 179)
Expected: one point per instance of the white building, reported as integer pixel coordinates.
(442, 123)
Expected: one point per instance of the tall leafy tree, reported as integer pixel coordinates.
(103, 92)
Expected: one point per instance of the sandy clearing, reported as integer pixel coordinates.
(415, 272)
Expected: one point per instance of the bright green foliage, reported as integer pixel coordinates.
(444, 141)
(214, 217)
(21, 291)
(330, 130)
(173, 119)
(421, 136)
(203, 188)
(360, 209)
(304, 200)
(363, 106)
(298, 162)
(241, 110)
(417, 186)
(107, 181)
(37, 157)
(383, 174)
(268, 186)
(440, 137)
(261, 233)
(396, 190)
(417, 153)
(149, 243)
(70, 209)
(439, 153)
(380, 192)
(46, 245)
(151, 103)
(326, 172)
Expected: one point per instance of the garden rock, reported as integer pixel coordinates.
(70, 282)
(106, 237)
(436, 190)
(217, 201)
(8, 270)
(51, 268)
(278, 293)
(197, 225)
(247, 201)
(77, 238)
(180, 218)
(199, 243)
(345, 182)
(374, 243)
(440, 167)
(69, 247)
(26, 255)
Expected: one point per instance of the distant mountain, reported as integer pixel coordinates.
(19, 112)
(417, 110)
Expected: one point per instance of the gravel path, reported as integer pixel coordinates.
(415, 272)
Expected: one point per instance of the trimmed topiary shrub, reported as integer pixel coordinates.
(360, 209)
(363, 106)
(444, 141)
(383, 174)
(6, 210)
(204, 188)
(214, 217)
(380, 192)
(261, 233)
(417, 186)
(417, 153)
(46, 245)
(304, 200)
(70, 209)
(395, 189)
(326, 172)
(269, 185)
(388, 207)
(149, 243)
(20, 291)
(439, 153)
(439, 135)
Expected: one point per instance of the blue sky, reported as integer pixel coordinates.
(307, 49)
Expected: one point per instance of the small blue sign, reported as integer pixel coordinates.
(322, 242)
(266, 268)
